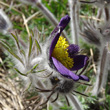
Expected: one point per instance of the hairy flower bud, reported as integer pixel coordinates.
(5, 23)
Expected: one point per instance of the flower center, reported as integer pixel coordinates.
(60, 52)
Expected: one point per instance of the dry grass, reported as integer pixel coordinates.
(13, 98)
(10, 98)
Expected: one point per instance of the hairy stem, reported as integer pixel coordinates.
(74, 102)
(74, 14)
(102, 72)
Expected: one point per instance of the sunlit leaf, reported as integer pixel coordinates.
(30, 46)
(19, 72)
(35, 66)
(16, 39)
(37, 45)
(10, 50)
(39, 71)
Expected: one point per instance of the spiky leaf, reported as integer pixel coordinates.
(37, 45)
(20, 72)
(10, 50)
(30, 46)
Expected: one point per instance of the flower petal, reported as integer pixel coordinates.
(62, 24)
(64, 71)
(53, 43)
(57, 31)
(83, 77)
(64, 21)
(79, 62)
(73, 49)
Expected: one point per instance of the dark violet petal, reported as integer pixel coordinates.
(79, 62)
(53, 43)
(57, 31)
(83, 77)
(62, 24)
(64, 71)
(73, 76)
(73, 49)
(64, 21)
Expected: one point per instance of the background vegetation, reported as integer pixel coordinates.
(59, 8)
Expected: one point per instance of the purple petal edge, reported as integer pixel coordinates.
(64, 21)
(83, 77)
(79, 62)
(64, 71)
(73, 49)
(62, 24)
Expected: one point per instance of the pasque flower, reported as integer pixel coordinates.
(64, 59)
(65, 56)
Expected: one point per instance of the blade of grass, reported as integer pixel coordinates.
(19, 72)
(37, 45)
(30, 71)
(8, 48)
(35, 66)
(17, 42)
(40, 71)
(30, 46)
(16, 39)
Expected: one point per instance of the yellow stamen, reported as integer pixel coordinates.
(56, 79)
(60, 52)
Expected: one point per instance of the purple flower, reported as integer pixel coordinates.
(64, 56)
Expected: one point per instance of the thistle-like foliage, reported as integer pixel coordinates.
(99, 36)
(96, 35)
(103, 8)
(29, 61)
(25, 58)
(105, 31)
(91, 34)
(101, 3)
(5, 23)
